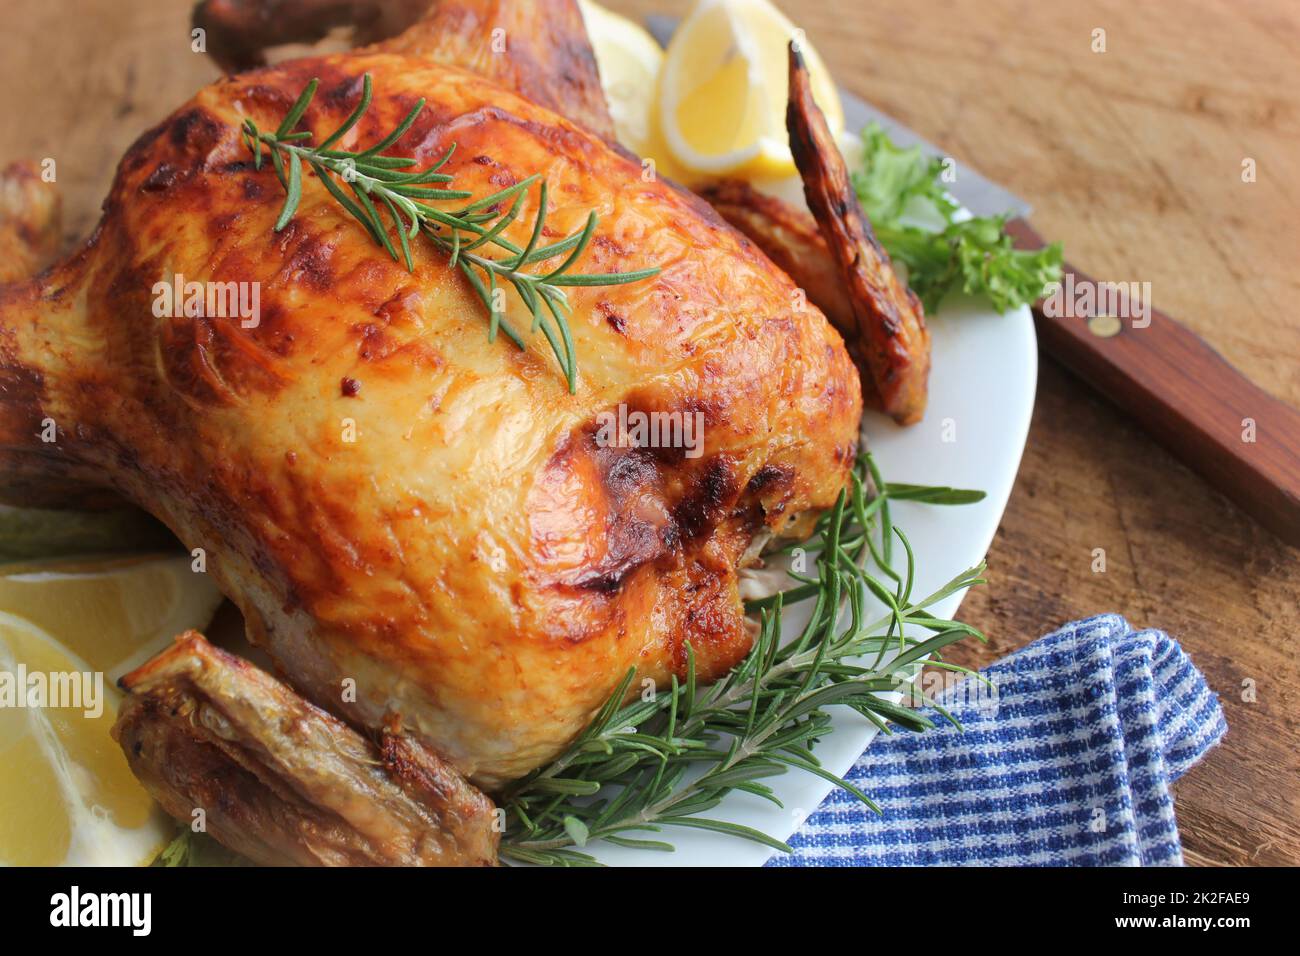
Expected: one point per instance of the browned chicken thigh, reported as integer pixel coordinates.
(422, 527)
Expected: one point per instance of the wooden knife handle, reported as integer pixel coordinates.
(1189, 398)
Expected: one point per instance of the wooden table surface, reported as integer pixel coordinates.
(1132, 157)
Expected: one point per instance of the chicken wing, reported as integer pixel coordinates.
(890, 323)
(281, 781)
(30, 222)
(538, 49)
(791, 238)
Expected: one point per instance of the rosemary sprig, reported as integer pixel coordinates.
(667, 761)
(409, 197)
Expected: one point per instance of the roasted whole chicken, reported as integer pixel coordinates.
(447, 568)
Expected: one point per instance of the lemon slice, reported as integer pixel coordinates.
(115, 613)
(66, 793)
(628, 58)
(723, 89)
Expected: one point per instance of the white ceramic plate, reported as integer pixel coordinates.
(984, 373)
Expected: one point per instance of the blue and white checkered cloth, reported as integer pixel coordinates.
(1067, 762)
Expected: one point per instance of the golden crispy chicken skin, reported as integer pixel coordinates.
(389, 497)
(789, 237)
(281, 781)
(891, 324)
(792, 239)
(538, 49)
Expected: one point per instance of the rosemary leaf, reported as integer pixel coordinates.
(299, 107)
(294, 192)
(406, 194)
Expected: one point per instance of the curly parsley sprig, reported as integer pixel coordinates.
(973, 255)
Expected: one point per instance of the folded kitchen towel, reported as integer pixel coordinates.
(1067, 761)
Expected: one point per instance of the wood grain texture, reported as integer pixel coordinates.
(1131, 157)
(1224, 427)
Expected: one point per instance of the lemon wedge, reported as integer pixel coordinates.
(723, 89)
(628, 58)
(67, 795)
(114, 613)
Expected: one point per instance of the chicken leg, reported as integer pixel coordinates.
(281, 781)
